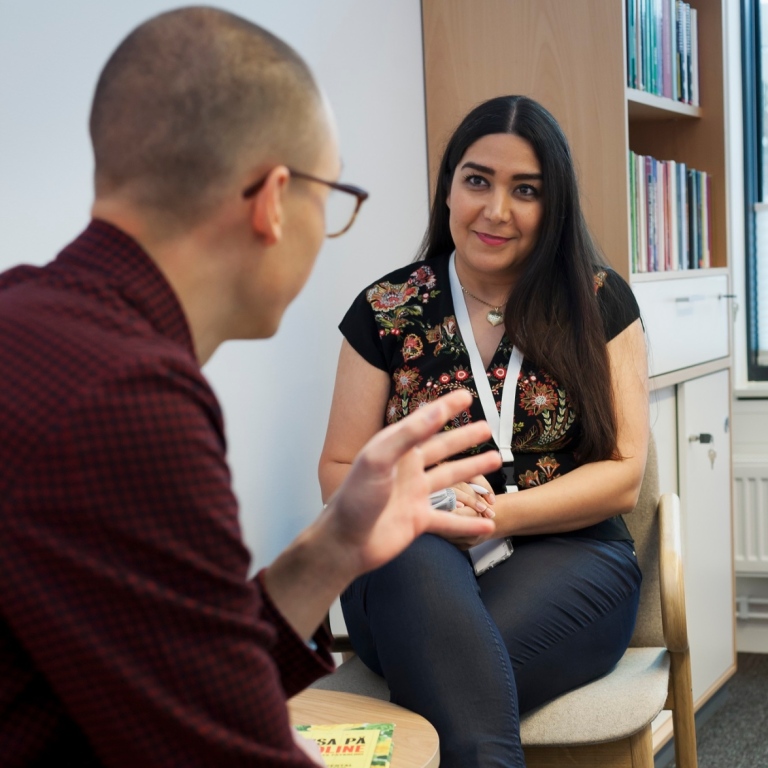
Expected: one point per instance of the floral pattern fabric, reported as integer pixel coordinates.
(405, 324)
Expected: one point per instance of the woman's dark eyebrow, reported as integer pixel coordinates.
(478, 167)
(491, 172)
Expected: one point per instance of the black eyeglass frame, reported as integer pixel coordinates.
(360, 194)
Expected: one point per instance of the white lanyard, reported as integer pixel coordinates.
(501, 424)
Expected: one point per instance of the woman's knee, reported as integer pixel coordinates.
(429, 567)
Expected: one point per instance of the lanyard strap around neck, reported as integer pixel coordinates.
(501, 425)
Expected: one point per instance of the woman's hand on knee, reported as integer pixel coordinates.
(470, 502)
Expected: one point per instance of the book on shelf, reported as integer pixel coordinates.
(670, 215)
(662, 49)
(353, 745)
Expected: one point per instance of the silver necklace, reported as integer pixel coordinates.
(495, 316)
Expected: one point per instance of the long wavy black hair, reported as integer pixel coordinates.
(552, 315)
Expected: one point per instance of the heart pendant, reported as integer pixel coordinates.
(494, 317)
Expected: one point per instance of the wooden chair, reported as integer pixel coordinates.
(608, 722)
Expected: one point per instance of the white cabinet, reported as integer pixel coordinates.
(705, 495)
(686, 320)
(692, 408)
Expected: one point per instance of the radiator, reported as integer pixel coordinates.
(751, 516)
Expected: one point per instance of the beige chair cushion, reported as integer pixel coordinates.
(609, 708)
(616, 705)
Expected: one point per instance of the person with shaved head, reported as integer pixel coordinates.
(130, 633)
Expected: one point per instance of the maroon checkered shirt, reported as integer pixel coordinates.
(130, 634)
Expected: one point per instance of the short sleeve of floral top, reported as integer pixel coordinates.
(405, 324)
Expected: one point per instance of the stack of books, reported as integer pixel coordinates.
(670, 215)
(662, 49)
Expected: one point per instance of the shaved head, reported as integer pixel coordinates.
(192, 98)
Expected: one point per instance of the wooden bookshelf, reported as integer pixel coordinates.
(570, 56)
(700, 141)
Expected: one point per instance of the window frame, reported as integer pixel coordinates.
(751, 67)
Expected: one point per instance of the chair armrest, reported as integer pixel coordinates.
(671, 575)
(339, 643)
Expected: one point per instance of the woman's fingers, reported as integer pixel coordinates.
(470, 498)
(482, 487)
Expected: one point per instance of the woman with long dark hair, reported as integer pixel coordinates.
(510, 299)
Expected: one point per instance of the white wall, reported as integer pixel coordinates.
(276, 393)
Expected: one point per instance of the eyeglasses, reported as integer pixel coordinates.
(340, 210)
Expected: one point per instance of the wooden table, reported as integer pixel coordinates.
(416, 744)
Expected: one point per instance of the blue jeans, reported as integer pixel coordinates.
(470, 654)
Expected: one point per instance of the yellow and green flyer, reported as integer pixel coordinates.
(353, 745)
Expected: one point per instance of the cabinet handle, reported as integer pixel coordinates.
(682, 299)
(704, 437)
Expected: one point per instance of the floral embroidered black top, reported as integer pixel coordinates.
(405, 324)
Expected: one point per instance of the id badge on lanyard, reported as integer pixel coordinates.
(501, 424)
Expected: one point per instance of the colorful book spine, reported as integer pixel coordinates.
(666, 50)
(687, 57)
(694, 57)
(686, 212)
(674, 218)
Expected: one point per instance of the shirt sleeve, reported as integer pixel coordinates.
(360, 329)
(122, 544)
(618, 305)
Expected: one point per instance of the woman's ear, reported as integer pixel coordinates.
(267, 210)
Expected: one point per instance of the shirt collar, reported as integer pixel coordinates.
(130, 270)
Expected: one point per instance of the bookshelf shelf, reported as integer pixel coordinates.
(647, 106)
(675, 274)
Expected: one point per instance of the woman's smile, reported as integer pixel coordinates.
(488, 239)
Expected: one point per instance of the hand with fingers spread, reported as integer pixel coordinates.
(381, 508)
(383, 504)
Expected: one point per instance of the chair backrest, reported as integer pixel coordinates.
(643, 524)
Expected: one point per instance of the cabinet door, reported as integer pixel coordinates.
(705, 493)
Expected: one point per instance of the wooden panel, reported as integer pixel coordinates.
(567, 55)
(698, 142)
(616, 754)
(633, 752)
